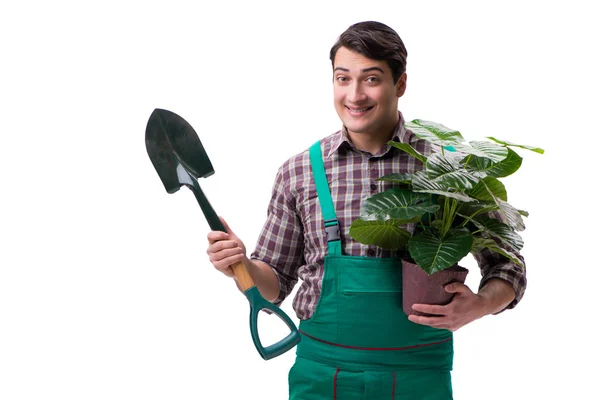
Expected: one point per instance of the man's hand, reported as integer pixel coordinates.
(225, 249)
(464, 308)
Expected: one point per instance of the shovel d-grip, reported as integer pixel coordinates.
(258, 303)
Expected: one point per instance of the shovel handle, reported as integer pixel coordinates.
(258, 303)
(242, 275)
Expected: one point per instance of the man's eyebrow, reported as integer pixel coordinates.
(373, 69)
(363, 70)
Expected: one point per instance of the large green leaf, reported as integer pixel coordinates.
(510, 215)
(482, 167)
(447, 171)
(494, 228)
(486, 150)
(397, 204)
(434, 132)
(422, 184)
(484, 243)
(472, 209)
(522, 146)
(487, 188)
(434, 254)
(397, 178)
(386, 234)
(408, 149)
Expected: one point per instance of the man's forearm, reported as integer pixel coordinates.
(497, 294)
(264, 278)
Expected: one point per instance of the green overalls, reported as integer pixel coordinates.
(359, 344)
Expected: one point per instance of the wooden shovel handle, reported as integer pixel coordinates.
(242, 275)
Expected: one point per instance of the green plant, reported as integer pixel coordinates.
(457, 202)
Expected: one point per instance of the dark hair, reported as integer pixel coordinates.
(376, 41)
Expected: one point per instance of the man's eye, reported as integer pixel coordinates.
(341, 79)
(372, 79)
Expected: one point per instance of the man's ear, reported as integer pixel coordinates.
(401, 85)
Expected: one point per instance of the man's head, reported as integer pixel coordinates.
(369, 62)
(376, 41)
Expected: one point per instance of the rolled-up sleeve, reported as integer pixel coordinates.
(281, 242)
(494, 265)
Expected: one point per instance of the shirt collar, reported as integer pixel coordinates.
(341, 139)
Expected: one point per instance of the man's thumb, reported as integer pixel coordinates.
(226, 226)
(454, 287)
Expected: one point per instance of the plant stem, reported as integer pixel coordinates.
(449, 214)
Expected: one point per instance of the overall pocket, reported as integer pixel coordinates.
(370, 304)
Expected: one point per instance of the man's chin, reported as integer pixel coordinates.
(359, 129)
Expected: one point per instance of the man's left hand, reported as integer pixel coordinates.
(464, 308)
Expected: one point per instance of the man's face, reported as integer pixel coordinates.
(365, 96)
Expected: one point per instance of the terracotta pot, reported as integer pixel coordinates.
(419, 287)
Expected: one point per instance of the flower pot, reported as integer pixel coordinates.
(420, 288)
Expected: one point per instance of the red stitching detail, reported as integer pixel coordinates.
(335, 383)
(375, 348)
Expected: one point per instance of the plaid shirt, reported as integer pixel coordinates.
(293, 240)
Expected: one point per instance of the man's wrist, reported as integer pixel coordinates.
(496, 295)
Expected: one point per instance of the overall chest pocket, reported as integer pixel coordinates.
(370, 304)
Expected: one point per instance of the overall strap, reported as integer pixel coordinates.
(334, 245)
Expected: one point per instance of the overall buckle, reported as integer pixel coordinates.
(332, 229)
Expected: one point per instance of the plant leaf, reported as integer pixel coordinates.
(486, 150)
(487, 188)
(510, 215)
(505, 143)
(385, 234)
(483, 243)
(397, 204)
(434, 132)
(472, 209)
(447, 170)
(398, 178)
(408, 149)
(434, 254)
(495, 228)
(482, 167)
(422, 184)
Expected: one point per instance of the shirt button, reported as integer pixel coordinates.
(373, 186)
(371, 252)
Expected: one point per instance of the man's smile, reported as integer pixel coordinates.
(358, 111)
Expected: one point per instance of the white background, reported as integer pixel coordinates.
(106, 291)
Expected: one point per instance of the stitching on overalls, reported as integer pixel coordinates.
(335, 383)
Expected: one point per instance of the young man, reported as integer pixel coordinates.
(357, 343)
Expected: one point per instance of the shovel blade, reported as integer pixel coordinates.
(170, 141)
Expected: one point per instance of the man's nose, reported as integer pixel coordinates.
(356, 94)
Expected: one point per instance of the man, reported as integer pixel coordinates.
(357, 343)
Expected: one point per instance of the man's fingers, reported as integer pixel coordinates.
(456, 287)
(222, 245)
(225, 264)
(222, 255)
(431, 309)
(215, 236)
(436, 322)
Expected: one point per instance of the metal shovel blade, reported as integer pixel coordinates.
(171, 139)
(179, 158)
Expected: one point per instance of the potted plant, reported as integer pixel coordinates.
(457, 204)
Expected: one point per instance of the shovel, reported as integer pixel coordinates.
(179, 158)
